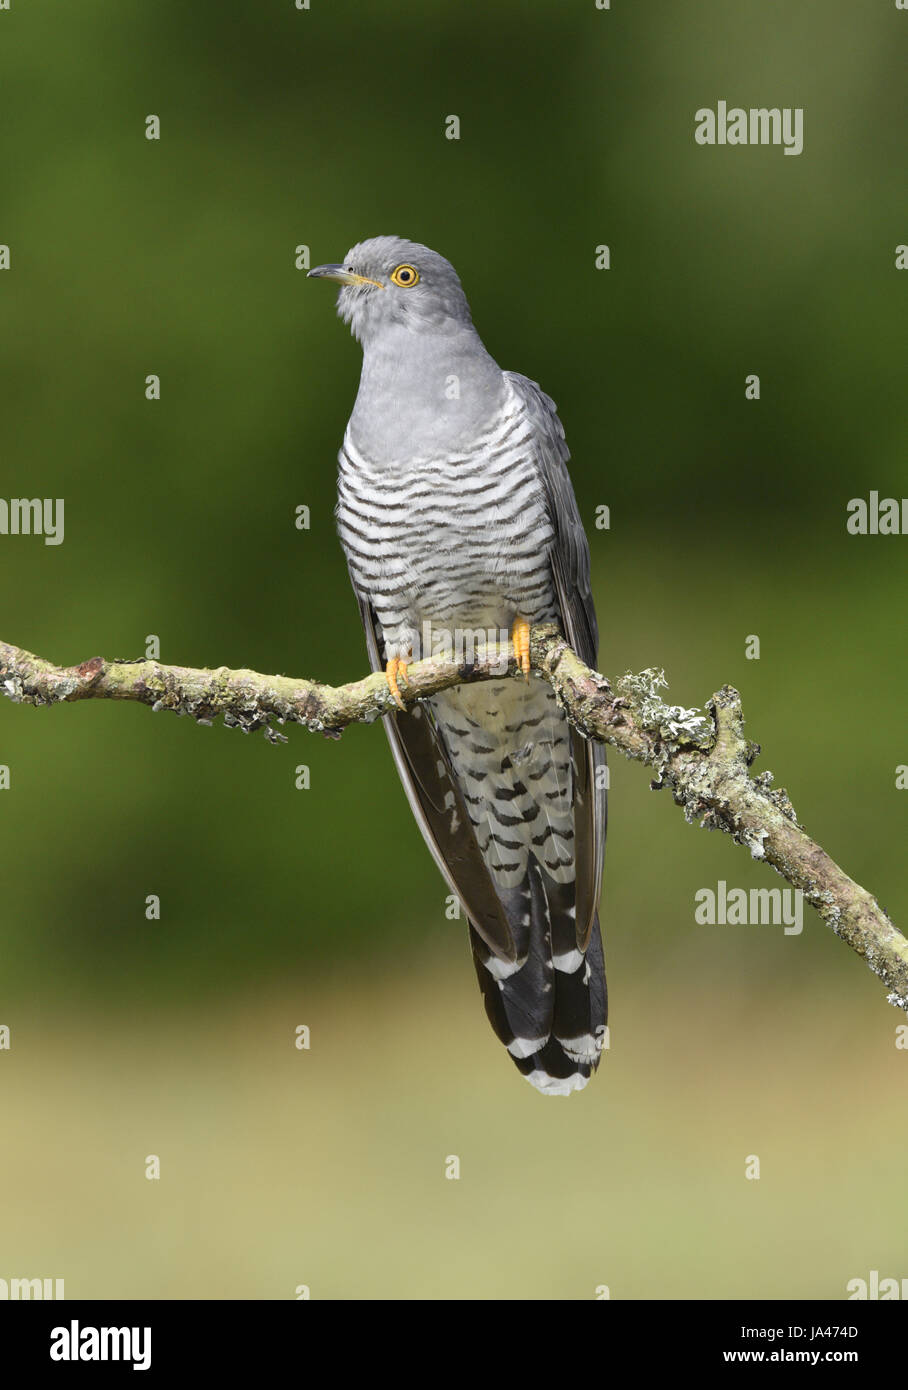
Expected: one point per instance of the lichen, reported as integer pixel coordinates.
(673, 725)
(754, 842)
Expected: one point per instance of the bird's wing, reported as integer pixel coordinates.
(437, 802)
(570, 561)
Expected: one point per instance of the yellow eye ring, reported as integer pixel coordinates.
(405, 275)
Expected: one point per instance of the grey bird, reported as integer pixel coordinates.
(457, 517)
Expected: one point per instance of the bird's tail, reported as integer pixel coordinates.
(550, 1007)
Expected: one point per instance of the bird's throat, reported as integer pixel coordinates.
(421, 393)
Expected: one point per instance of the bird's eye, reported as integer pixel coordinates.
(405, 276)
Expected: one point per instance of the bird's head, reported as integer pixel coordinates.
(388, 281)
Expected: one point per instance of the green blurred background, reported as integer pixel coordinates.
(326, 1167)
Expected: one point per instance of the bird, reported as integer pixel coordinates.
(457, 516)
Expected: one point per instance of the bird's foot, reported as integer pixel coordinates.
(396, 670)
(520, 640)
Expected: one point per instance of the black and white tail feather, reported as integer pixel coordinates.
(549, 1007)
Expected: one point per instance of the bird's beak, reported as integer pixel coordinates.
(341, 275)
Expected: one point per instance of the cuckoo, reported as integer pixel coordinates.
(457, 517)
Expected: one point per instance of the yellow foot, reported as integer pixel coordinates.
(520, 637)
(396, 670)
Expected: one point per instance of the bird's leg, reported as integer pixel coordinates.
(395, 670)
(520, 639)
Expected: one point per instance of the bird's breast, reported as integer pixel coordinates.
(465, 534)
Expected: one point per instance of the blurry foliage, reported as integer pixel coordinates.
(283, 127)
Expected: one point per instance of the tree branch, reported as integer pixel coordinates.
(703, 759)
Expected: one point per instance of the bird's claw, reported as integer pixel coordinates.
(396, 670)
(520, 639)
